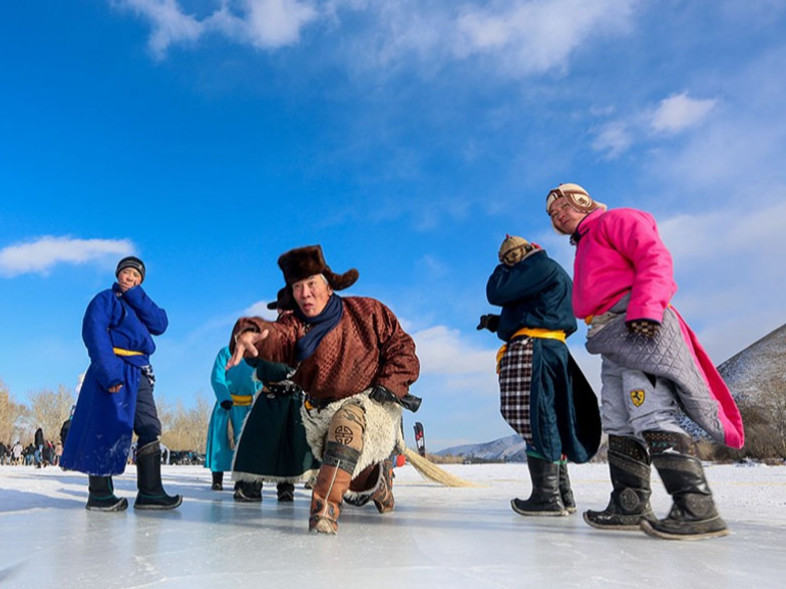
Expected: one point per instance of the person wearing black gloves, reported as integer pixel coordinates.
(355, 363)
(544, 396)
(652, 366)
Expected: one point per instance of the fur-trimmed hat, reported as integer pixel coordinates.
(283, 301)
(577, 197)
(514, 249)
(131, 262)
(300, 263)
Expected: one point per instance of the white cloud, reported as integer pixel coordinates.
(442, 350)
(679, 112)
(613, 138)
(538, 36)
(671, 116)
(41, 255)
(170, 25)
(263, 24)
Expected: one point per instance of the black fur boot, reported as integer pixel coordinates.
(693, 515)
(151, 493)
(285, 492)
(248, 491)
(545, 499)
(101, 495)
(629, 466)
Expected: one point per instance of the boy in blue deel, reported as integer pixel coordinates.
(116, 398)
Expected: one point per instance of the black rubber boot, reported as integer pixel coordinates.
(101, 495)
(218, 481)
(248, 491)
(693, 515)
(566, 493)
(285, 492)
(629, 466)
(545, 499)
(151, 493)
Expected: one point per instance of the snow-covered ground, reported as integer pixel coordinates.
(436, 537)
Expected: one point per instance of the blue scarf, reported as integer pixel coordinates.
(318, 327)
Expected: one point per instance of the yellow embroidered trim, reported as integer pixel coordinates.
(122, 352)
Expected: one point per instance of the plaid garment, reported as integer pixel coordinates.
(515, 381)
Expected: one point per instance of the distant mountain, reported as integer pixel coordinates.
(758, 369)
(509, 449)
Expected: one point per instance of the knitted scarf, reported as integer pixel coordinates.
(318, 327)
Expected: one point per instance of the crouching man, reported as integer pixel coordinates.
(355, 363)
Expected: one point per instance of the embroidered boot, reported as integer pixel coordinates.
(629, 466)
(693, 515)
(333, 481)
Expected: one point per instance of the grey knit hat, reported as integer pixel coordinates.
(131, 262)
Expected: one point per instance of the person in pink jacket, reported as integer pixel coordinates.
(653, 369)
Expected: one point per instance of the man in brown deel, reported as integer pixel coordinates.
(355, 364)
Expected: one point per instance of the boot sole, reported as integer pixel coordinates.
(635, 527)
(537, 513)
(121, 505)
(154, 507)
(647, 528)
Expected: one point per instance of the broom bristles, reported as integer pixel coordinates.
(432, 472)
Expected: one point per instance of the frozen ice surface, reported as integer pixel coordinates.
(436, 537)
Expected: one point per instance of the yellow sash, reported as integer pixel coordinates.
(540, 332)
(122, 352)
(242, 400)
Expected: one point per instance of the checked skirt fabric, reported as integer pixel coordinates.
(515, 382)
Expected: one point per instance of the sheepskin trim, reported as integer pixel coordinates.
(251, 477)
(383, 430)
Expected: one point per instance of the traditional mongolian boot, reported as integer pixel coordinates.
(545, 499)
(285, 492)
(151, 493)
(101, 495)
(248, 491)
(693, 515)
(565, 491)
(343, 445)
(218, 481)
(373, 484)
(629, 466)
(333, 480)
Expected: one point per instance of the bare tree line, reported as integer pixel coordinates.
(183, 428)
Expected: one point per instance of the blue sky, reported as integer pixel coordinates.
(405, 137)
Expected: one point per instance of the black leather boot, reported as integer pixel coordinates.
(693, 515)
(151, 493)
(629, 466)
(565, 491)
(545, 499)
(101, 495)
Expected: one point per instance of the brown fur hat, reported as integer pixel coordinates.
(283, 301)
(300, 263)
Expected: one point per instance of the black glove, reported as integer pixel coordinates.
(490, 322)
(645, 327)
(382, 395)
(226, 405)
(284, 388)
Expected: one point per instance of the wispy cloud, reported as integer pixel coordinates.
(670, 116)
(519, 37)
(41, 255)
(679, 112)
(262, 24)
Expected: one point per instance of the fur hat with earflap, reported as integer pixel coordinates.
(300, 263)
(578, 198)
(514, 249)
